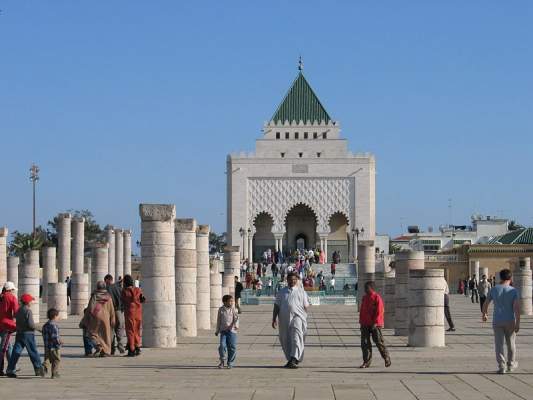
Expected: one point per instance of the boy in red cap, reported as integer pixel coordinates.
(25, 338)
(371, 319)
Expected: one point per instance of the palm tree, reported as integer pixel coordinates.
(23, 242)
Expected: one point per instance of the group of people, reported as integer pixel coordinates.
(113, 308)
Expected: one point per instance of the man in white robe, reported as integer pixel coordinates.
(290, 309)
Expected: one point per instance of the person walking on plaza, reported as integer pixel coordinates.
(132, 300)
(227, 326)
(371, 321)
(52, 344)
(290, 309)
(466, 281)
(99, 320)
(238, 294)
(484, 288)
(9, 306)
(115, 290)
(473, 286)
(25, 338)
(447, 314)
(505, 321)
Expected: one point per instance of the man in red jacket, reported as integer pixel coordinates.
(9, 305)
(371, 318)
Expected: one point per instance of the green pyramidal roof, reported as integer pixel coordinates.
(301, 104)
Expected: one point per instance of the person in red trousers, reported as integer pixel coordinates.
(371, 320)
(132, 299)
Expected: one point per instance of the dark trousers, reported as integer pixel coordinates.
(474, 294)
(366, 345)
(24, 340)
(482, 300)
(5, 348)
(119, 333)
(447, 313)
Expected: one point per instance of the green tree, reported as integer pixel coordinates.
(216, 242)
(394, 248)
(22, 242)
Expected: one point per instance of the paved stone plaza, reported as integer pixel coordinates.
(465, 369)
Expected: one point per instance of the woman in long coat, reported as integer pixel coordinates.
(132, 299)
(99, 320)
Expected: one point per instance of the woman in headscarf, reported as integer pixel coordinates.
(99, 320)
(132, 299)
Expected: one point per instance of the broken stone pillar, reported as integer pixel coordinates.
(3, 255)
(57, 298)
(127, 251)
(100, 268)
(13, 270)
(87, 269)
(366, 264)
(203, 288)
(158, 274)
(215, 283)
(77, 249)
(49, 270)
(110, 239)
(119, 255)
(29, 280)
(405, 261)
(389, 299)
(63, 246)
(474, 269)
(522, 283)
(484, 271)
(79, 294)
(426, 308)
(232, 269)
(186, 272)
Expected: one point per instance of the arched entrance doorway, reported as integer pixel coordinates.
(300, 228)
(338, 236)
(263, 238)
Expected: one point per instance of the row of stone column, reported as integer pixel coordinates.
(180, 289)
(119, 251)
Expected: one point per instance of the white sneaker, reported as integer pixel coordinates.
(501, 371)
(512, 367)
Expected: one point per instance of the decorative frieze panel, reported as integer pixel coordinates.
(277, 196)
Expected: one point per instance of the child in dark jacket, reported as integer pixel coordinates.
(25, 338)
(52, 343)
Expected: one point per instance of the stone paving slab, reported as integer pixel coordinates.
(465, 369)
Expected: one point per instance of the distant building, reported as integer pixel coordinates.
(481, 231)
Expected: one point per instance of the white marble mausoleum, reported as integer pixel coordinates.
(302, 188)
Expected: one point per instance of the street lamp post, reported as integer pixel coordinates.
(34, 177)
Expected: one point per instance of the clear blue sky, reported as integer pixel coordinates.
(122, 102)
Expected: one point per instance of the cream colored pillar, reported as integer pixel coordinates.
(215, 283)
(63, 245)
(119, 255)
(186, 274)
(13, 270)
(405, 261)
(3, 255)
(79, 295)
(231, 268)
(127, 251)
(203, 287)
(49, 270)
(100, 268)
(29, 280)
(110, 238)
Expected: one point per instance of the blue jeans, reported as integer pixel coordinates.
(88, 344)
(5, 348)
(24, 340)
(228, 341)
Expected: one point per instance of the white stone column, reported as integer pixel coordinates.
(57, 298)
(119, 255)
(78, 238)
(522, 283)
(203, 287)
(63, 222)
(231, 269)
(388, 299)
(281, 243)
(127, 251)
(366, 265)
(406, 260)
(186, 273)
(215, 283)
(276, 244)
(49, 270)
(426, 308)
(13, 270)
(3, 255)
(474, 268)
(101, 259)
(245, 245)
(88, 269)
(110, 238)
(79, 296)
(484, 271)
(250, 247)
(157, 249)
(29, 280)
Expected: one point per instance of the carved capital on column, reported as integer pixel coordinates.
(157, 212)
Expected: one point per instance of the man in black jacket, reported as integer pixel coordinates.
(115, 290)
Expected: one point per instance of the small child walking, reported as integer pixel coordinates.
(25, 338)
(52, 343)
(227, 327)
